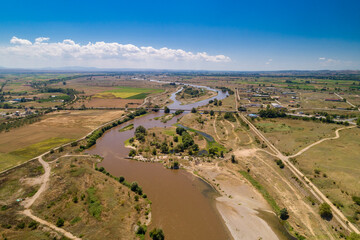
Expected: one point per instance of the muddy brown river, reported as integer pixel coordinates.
(182, 205)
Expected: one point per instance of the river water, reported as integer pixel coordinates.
(182, 204)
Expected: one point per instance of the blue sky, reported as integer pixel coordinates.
(235, 35)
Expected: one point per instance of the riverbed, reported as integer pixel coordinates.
(183, 205)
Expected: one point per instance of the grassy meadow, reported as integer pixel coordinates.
(334, 166)
(290, 135)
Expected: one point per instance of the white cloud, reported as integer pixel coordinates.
(41, 39)
(15, 40)
(322, 58)
(68, 49)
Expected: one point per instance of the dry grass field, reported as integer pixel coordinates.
(92, 204)
(16, 185)
(227, 104)
(21, 144)
(290, 135)
(334, 166)
(317, 100)
(107, 103)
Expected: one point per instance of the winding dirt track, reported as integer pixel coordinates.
(337, 135)
(307, 183)
(45, 178)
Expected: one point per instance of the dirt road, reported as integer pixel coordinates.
(320, 141)
(311, 187)
(44, 179)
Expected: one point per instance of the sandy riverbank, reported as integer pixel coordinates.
(239, 204)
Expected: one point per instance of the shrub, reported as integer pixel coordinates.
(121, 179)
(21, 225)
(60, 222)
(229, 116)
(180, 130)
(284, 214)
(175, 165)
(164, 148)
(136, 188)
(356, 199)
(141, 230)
(132, 153)
(325, 211)
(74, 144)
(178, 112)
(33, 225)
(157, 234)
(280, 163)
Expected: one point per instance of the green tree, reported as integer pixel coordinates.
(132, 153)
(358, 122)
(121, 179)
(157, 234)
(134, 186)
(325, 211)
(284, 214)
(166, 110)
(164, 148)
(193, 110)
(141, 230)
(212, 112)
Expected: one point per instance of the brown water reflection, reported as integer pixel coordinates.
(182, 204)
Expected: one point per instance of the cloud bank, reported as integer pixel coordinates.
(69, 50)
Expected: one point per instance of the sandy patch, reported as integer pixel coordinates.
(239, 203)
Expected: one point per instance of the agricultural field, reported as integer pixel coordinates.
(107, 103)
(26, 142)
(334, 167)
(127, 93)
(290, 135)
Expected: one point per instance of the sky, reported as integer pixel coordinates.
(256, 35)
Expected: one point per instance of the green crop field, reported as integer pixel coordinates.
(40, 147)
(128, 93)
